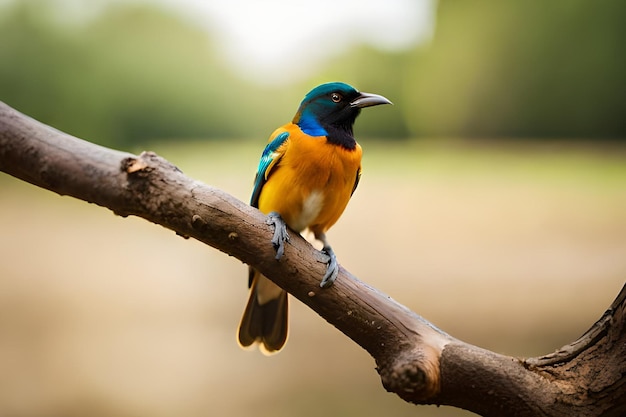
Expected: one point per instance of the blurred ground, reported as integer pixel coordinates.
(517, 249)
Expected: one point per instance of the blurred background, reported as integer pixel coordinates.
(493, 199)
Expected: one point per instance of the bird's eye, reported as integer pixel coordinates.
(336, 97)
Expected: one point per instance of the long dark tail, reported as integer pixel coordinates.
(265, 319)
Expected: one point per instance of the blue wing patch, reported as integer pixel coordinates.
(269, 158)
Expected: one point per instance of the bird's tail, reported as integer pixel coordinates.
(265, 319)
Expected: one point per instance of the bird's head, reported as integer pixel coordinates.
(330, 110)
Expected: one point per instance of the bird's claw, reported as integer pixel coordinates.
(280, 233)
(332, 270)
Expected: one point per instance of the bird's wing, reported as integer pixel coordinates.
(271, 155)
(356, 181)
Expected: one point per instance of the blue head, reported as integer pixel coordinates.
(330, 110)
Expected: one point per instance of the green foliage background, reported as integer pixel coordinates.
(493, 69)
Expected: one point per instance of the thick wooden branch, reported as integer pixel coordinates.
(416, 360)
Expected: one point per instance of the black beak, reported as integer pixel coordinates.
(368, 100)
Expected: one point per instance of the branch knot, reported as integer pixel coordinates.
(413, 375)
(132, 165)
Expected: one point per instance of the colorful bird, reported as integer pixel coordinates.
(305, 178)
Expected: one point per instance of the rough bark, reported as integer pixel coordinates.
(416, 360)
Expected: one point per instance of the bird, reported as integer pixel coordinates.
(306, 175)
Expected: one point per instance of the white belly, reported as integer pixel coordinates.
(311, 208)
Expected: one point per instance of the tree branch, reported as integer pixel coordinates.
(415, 359)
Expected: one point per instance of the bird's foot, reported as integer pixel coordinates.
(280, 233)
(332, 270)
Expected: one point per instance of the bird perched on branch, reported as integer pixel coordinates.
(305, 178)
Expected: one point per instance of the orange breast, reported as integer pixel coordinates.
(312, 183)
